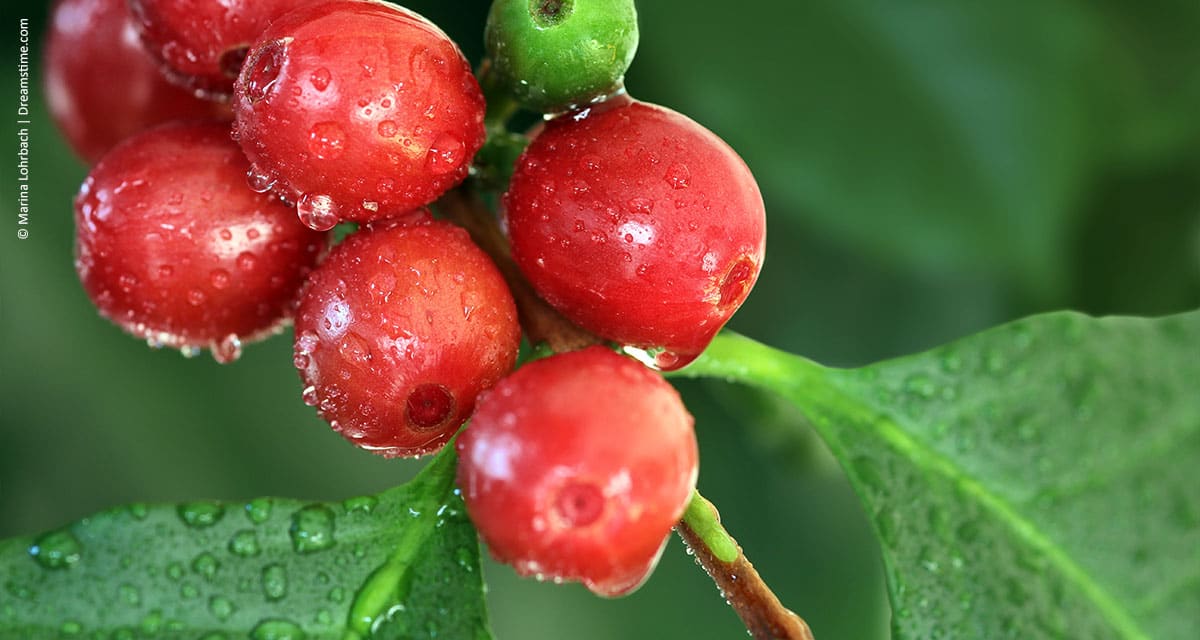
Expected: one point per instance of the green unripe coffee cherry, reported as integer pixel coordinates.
(555, 54)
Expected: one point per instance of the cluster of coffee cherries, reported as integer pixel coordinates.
(229, 138)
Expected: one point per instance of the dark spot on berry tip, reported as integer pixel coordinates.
(579, 504)
(429, 405)
(548, 13)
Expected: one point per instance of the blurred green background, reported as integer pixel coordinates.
(930, 167)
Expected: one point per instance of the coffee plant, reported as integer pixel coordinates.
(505, 271)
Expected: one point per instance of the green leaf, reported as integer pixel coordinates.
(1035, 480)
(405, 562)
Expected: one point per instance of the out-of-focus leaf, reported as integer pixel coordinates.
(1034, 480)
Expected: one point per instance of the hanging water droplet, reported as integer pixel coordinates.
(274, 582)
(56, 550)
(228, 349)
(190, 350)
(258, 180)
(317, 212)
(200, 514)
(309, 395)
(312, 529)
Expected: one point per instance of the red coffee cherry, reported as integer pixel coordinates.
(639, 225)
(577, 466)
(174, 248)
(399, 330)
(201, 44)
(358, 111)
(101, 86)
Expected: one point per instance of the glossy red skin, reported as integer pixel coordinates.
(172, 246)
(101, 86)
(395, 307)
(366, 103)
(590, 419)
(200, 43)
(639, 225)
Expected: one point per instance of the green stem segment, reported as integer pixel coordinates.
(758, 607)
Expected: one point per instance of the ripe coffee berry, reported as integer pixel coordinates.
(101, 86)
(577, 466)
(357, 110)
(554, 54)
(201, 43)
(639, 225)
(399, 330)
(173, 247)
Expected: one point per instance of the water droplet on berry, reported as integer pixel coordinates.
(320, 79)
(385, 185)
(317, 212)
(228, 349)
(189, 350)
(200, 515)
(219, 278)
(312, 529)
(445, 154)
(56, 550)
(309, 395)
(678, 176)
(259, 180)
(195, 297)
(326, 140)
(246, 261)
(644, 206)
(387, 128)
(274, 581)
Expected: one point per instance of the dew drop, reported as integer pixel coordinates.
(56, 550)
(678, 176)
(274, 581)
(258, 180)
(205, 565)
(219, 278)
(258, 510)
(327, 140)
(317, 212)
(319, 79)
(446, 154)
(228, 349)
(312, 529)
(276, 629)
(365, 504)
(200, 514)
(221, 608)
(244, 543)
